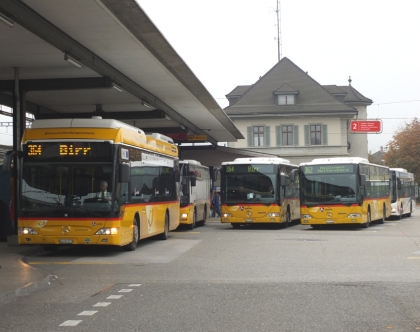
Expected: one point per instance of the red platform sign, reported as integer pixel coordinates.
(366, 126)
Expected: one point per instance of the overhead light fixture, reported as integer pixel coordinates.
(72, 60)
(167, 117)
(117, 87)
(7, 21)
(146, 104)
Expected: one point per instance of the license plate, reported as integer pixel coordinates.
(66, 241)
(329, 221)
(249, 220)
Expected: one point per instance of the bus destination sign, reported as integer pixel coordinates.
(328, 169)
(85, 150)
(250, 169)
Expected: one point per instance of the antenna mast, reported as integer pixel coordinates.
(278, 30)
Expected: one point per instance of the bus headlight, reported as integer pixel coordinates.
(354, 215)
(26, 231)
(306, 216)
(107, 231)
(273, 214)
(184, 215)
(226, 215)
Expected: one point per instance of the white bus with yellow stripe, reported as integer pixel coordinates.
(194, 193)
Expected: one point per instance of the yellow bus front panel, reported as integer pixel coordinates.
(252, 213)
(110, 231)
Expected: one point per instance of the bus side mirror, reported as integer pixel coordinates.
(215, 173)
(282, 180)
(362, 192)
(8, 160)
(293, 175)
(362, 179)
(123, 173)
(193, 181)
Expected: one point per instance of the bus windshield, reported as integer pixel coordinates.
(63, 190)
(250, 188)
(328, 189)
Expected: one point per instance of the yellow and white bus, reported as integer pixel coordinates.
(194, 193)
(403, 201)
(343, 191)
(64, 164)
(258, 190)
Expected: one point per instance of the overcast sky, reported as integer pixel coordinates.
(227, 43)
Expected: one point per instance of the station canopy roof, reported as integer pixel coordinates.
(79, 58)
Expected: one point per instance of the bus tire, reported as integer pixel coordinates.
(193, 224)
(287, 222)
(204, 216)
(382, 220)
(401, 213)
(165, 234)
(133, 244)
(366, 224)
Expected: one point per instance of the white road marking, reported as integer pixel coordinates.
(102, 304)
(124, 290)
(71, 322)
(134, 285)
(87, 313)
(114, 297)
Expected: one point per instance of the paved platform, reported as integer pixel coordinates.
(18, 278)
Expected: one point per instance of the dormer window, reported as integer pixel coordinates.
(286, 100)
(286, 94)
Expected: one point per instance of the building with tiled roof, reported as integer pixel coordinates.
(289, 114)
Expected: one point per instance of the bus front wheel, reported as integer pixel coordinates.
(133, 244)
(366, 225)
(288, 219)
(193, 224)
(165, 233)
(382, 221)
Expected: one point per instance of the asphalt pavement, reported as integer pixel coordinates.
(18, 278)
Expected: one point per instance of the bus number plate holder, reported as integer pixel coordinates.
(249, 220)
(329, 221)
(66, 241)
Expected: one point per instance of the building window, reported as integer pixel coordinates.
(315, 131)
(286, 99)
(258, 135)
(287, 135)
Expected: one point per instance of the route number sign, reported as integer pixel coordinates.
(366, 126)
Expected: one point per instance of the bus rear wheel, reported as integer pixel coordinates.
(133, 244)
